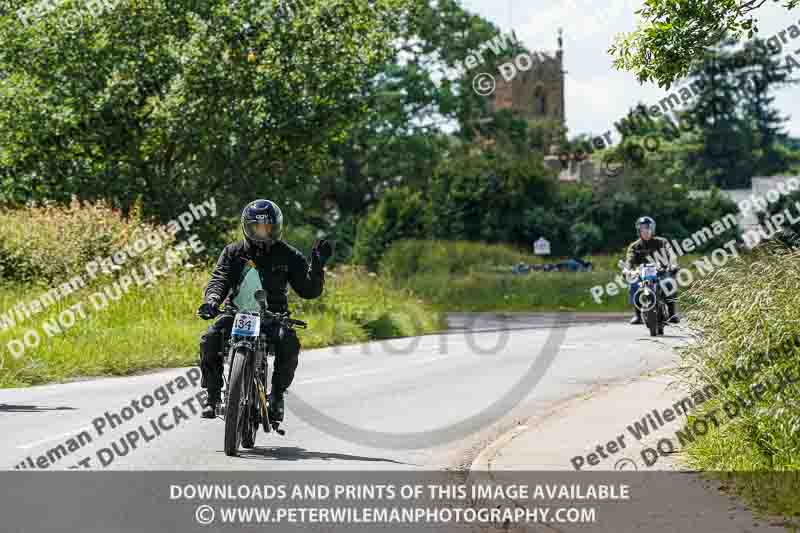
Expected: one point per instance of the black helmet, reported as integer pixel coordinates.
(647, 222)
(262, 223)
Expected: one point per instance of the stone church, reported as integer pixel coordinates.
(537, 92)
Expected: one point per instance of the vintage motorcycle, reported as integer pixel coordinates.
(244, 403)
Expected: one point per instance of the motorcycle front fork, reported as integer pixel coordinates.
(260, 388)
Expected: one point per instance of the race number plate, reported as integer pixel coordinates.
(650, 271)
(245, 325)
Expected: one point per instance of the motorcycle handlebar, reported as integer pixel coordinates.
(283, 319)
(672, 270)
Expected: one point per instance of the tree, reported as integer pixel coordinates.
(507, 128)
(398, 139)
(587, 237)
(729, 133)
(492, 195)
(400, 214)
(738, 132)
(671, 35)
(175, 100)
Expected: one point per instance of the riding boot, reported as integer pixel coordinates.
(276, 406)
(211, 362)
(637, 317)
(210, 409)
(287, 351)
(673, 315)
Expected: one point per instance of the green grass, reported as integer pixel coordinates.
(535, 292)
(156, 328)
(472, 276)
(748, 308)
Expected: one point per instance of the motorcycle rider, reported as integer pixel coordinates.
(649, 249)
(261, 260)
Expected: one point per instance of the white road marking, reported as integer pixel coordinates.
(303, 382)
(370, 372)
(55, 437)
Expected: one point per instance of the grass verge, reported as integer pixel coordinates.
(749, 349)
(156, 327)
(473, 276)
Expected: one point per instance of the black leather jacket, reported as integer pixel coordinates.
(282, 265)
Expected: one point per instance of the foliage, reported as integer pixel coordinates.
(510, 131)
(157, 328)
(739, 132)
(400, 214)
(678, 214)
(728, 133)
(407, 258)
(168, 100)
(301, 237)
(398, 139)
(344, 235)
(790, 202)
(496, 196)
(746, 310)
(476, 276)
(587, 237)
(490, 196)
(502, 291)
(50, 244)
(671, 35)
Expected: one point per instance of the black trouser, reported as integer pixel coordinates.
(287, 350)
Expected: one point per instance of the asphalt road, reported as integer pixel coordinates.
(421, 386)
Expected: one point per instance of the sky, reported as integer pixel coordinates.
(597, 95)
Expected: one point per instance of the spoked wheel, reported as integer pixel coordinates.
(250, 427)
(237, 418)
(265, 412)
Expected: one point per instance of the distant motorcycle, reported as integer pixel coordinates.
(245, 397)
(649, 298)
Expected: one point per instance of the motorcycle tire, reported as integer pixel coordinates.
(651, 319)
(235, 413)
(250, 427)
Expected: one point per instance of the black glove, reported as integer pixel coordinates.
(321, 252)
(208, 310)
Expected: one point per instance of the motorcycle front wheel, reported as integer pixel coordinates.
(651, 319)
(662, 318)
(236, 415)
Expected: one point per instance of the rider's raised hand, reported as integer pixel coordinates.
(322, 251)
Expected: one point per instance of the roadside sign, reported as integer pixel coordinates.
(541, 246)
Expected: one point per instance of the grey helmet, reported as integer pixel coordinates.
(645, 221)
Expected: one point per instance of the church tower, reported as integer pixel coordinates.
(537, 89)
